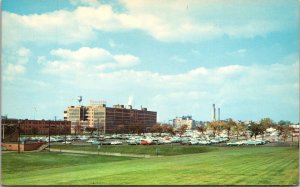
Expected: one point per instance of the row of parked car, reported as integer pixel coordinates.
(248, 142)
(147, 140)
(135, 139)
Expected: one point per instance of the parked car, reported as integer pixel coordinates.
(203, 142)
(96, 143)
(255, 142)
(90, 141)
(134, 142)
(235, 143)
(193, 142)
(116, 143)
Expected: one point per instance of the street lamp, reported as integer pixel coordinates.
(49, 134)
(65, 130)
(98, 128)
(19, 132)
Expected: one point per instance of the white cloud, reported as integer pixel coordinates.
(86, 61)
(234, 87)
(13, 69)
(126, 60)
(54, 27)
(190, 21)
(15, 62)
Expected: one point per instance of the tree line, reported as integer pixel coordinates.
(231, 127)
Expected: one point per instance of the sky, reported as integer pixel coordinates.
(176, 57)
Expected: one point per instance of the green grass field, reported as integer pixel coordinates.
(222, 166)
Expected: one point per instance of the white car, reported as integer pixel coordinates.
(116, 143)
(90, 141)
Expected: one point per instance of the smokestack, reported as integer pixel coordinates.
(218, 114)
(214, 113)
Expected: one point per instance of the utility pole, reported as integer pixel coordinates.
(98, 128)
(19, 134)
(65, 130)
(49, 134)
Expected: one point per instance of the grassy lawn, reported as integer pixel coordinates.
(223, 166)
(141, 149)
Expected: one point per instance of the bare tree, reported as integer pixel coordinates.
(228, 126)
(90, 130)
(181, 130)
(157, 128)
(238, 128)
(120, 128)
(167, 129)
(214, 126)
(78, 129)
(201, 129)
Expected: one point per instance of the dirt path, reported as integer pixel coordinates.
(104, 153)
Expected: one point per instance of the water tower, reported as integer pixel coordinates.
(79, 99)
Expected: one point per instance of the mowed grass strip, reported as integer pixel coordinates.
(225, 166)
(166, 150)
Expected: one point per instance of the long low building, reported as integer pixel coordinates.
(34, 127)
(110, 119)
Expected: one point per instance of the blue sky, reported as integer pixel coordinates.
(173, 57)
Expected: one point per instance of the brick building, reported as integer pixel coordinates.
(9, 127)
(110, 119)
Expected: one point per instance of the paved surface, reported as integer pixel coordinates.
(104, 153)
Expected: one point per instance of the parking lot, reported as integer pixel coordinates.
(154, 139)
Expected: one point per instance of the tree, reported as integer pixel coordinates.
(181, 130)
(285, 133)
(134, 128)
(291, 131)
(66, 130)
(283, 129)
(238, 128)
(215, 127)
(266, 123)
(138, 129)
(201, 129)
(157, 128)
(78, 129)
(256, 129)
(167, 129)
(90, 130)
(228, 125)
(120, 128)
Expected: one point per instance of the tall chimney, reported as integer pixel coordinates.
(218, 114)
(214, 113)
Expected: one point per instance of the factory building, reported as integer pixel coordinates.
(9, 127)
(77, 115)
(108, 119)
(184, 120)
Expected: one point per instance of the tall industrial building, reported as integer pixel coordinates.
(77, 116)
(184, 120)
(110, 118)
